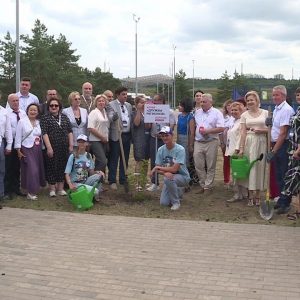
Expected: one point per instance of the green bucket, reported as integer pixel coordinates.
(240, 167)
(82, 199)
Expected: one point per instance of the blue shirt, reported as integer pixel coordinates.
(167, 157)
(79, 168)
(183, 123)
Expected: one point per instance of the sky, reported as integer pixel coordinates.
(209, 36)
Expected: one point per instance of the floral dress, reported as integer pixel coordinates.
(292, 176)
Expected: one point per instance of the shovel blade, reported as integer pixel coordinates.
(266, 209)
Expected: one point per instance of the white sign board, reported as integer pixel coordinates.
(157, 113)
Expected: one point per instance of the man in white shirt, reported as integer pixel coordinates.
(279, 138)
(5, 137)
(12, 162)
(25, 98)
(209, 123)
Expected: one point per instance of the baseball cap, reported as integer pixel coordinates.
(82, 137)
(166, 130)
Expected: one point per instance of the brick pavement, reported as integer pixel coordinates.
(57, 255)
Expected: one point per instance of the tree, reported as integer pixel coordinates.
(224, 88)
(104, 81)
(182, 89)
(7, 64)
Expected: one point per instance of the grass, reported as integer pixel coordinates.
(198, 207)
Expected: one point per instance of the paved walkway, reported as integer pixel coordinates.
(55, 255)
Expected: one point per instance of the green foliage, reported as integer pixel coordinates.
(103, 81)
(224, 89)
(51, 63)
(138, 181)
(7, 64)
(182, 89)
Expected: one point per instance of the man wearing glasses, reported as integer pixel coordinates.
(25, 98)
(170, 162)
(120, 113)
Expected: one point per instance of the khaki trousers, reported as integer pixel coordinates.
(205, 154)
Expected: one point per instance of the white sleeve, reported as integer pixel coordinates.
(18, 137)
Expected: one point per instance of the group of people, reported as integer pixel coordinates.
(45, 143)
(246, 134)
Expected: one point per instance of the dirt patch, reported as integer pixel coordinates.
(211, 207)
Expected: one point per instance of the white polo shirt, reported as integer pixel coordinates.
(281, 117)
(212, 118)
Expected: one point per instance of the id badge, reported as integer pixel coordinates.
(37, 140)
(124, 123)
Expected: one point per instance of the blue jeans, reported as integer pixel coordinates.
(115, 156)
(2, 169)
(281, 163)
(173, 190)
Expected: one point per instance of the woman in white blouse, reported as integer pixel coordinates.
(28, 143)
(77, 115)
(98, 127)
(233, 137)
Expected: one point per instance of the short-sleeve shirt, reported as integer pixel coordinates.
(212, 118)
(79, 168)
(167, 157)
(281, 117)
(183, 123)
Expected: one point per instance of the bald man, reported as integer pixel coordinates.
(12, 162)
(87, 98)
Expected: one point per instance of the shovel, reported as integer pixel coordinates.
(126, 185)
(266, 208)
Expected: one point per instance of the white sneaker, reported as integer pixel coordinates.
(62, 193)
(52, 194)
(175, 206)
(113, 186)
(31, 197)
(233, 199)
(153, 187)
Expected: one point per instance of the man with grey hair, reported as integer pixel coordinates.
(209, 123)
(87, 98)
(12, 162)
(279, 139)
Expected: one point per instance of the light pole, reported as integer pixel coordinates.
(174, 73)
(136, 20)
(17, 48)
(193, 77)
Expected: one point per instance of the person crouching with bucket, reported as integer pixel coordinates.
(80, 168)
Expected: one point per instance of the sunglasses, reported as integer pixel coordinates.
(53, 105)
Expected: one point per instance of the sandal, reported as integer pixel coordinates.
(250, 202)
(294, 217)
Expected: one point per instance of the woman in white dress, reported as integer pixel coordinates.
(254, 142)
(232, 147)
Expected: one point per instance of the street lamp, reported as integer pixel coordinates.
(17, 48)
(174, 73)
(193, 77)
(136, 20)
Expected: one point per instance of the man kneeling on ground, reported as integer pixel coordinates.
(170, 162)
